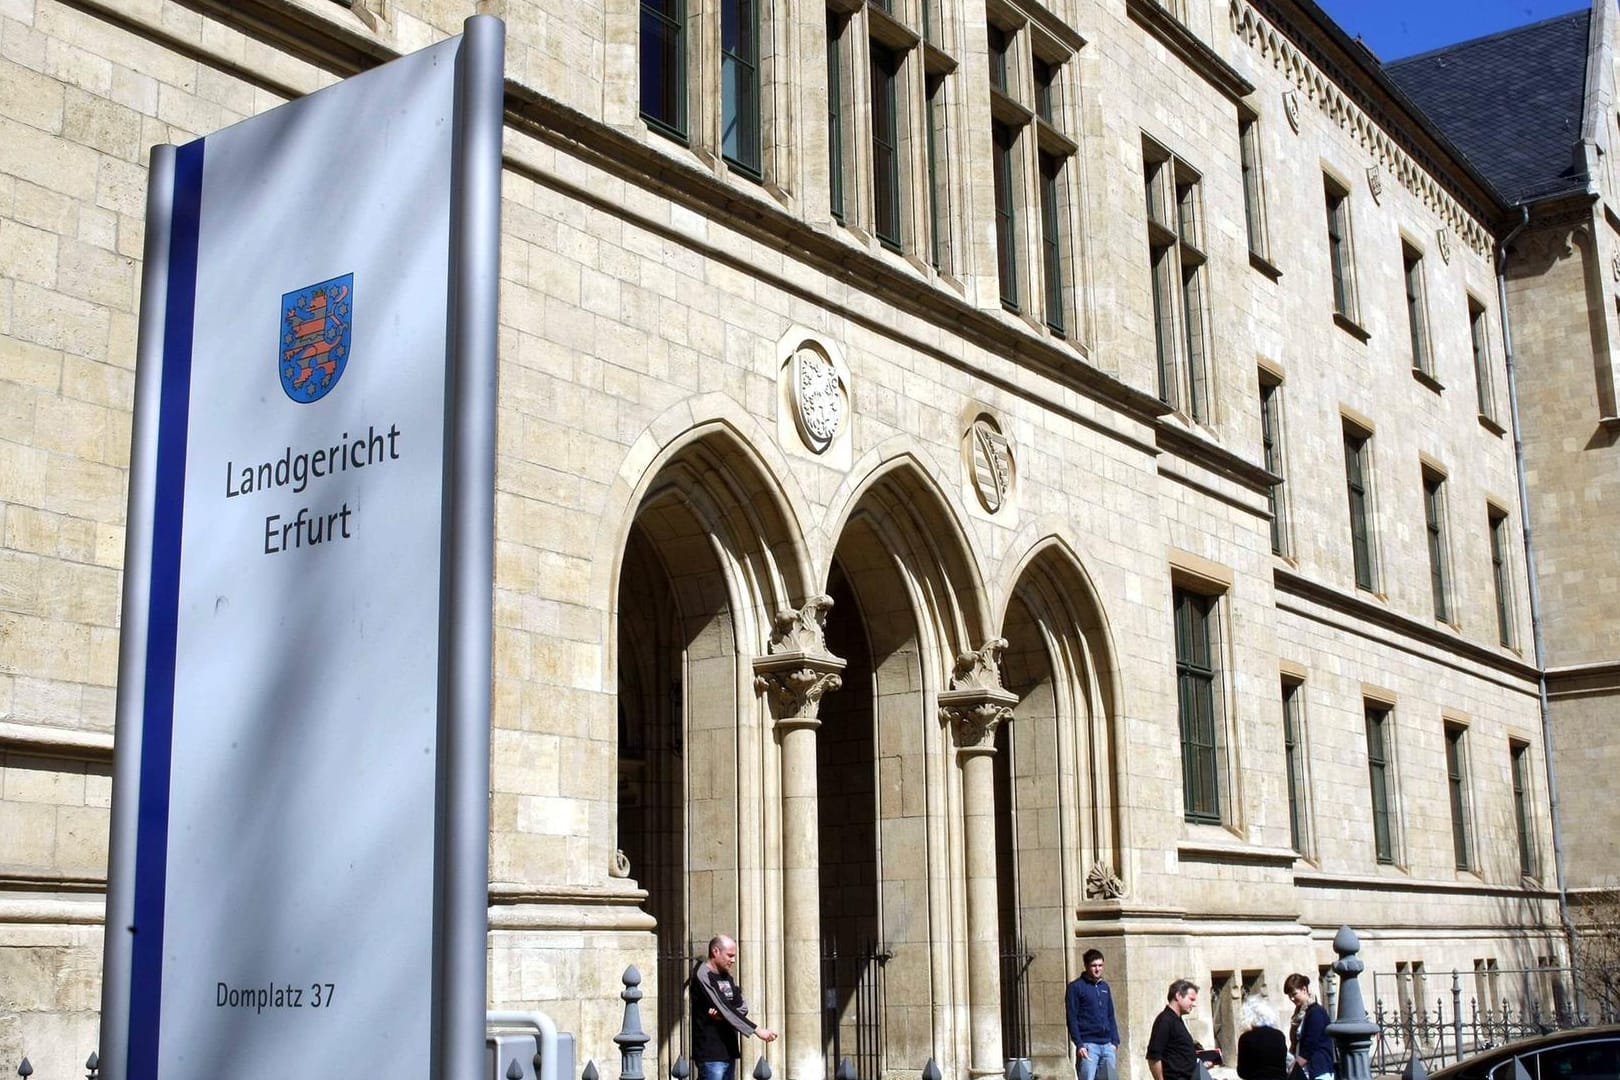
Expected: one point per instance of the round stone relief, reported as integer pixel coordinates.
(991, 460)
(819, 397)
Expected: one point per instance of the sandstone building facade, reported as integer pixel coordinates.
(975, 482)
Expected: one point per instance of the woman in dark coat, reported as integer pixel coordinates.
(1262, 1051)
(1309, 1041)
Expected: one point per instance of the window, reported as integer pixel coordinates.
(885, 145)
(739, 83)
(1052, 240)
(1417, 319)
(1045, 92)
(1380, 775)
(938, 191)
(1482, 360)
(1357, 478)
(999, 42)
(1176, 257)
(1254, 191)
(1294, 761)
(1271, 446)
(1500, 576)
(1339, 249)
(1003, 148)
(1462, 847)
(1434, 523)
(663, 65)
(1519, 755)
(835, 114)
(1195, 684)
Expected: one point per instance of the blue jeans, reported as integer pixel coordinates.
(715, 1070)
(1085, 1068)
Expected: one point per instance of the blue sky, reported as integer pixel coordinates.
(1397, 28)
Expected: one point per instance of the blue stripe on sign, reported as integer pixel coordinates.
(163, 613)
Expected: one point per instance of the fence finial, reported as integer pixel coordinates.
(1353, 1030)
(931, 1070)
(631, 1039)
(680, 1070)
(762, 1069)
(514, 1071)
(845, 1070)
(590, 1072)
(26, 1069)
(93, 1064)
(1414, 1067)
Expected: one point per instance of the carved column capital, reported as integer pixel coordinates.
(977, 704)
(795, 685)
(973, 718)
(799, 670)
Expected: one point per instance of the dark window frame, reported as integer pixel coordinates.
(1501, 574)
(663, 49)
(1294, 762)
(1196, 642)
(1417, 316)
(1251, 163)
(1462, 846)
(1003, 163)
(1341, 248)
(1380, 780)
(1434, 525)
(1519, 767)
(886, 65)
(740, 132)
(836, 26)
(1358, 486)
(1479, 340)
(1271, 449)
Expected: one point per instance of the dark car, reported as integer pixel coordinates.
(1577, 1054)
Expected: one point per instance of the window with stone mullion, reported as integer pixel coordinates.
(1435, 529)
(1294, 763)
(663, 65)
(739, 84)
(1356, 485)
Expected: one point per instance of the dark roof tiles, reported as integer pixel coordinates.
(1511, 102)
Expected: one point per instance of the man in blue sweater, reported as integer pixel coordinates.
(1092, 1028)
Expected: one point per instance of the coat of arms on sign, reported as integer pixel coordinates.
(315, 324)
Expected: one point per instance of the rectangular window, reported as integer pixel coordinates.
(885, 145)
(1052, 240)
(1294, 761)
(1178, 265)
(663, 65)
(938, 192)
(1045, 94)
(1417, 320)
(1271, 445)
(1457, 784)
(1195, 681)
(1254, 192)
(999, 43)
(1519, 753)
(1003, 144)
(1500, 576)
(1339, 249)
(1483, 384)
(1434, 523)
(1380, 774)
(835, 114)
(739, 83)
(1357, 478)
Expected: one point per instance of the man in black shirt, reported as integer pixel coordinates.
(1171, 1052)
(719, 1014)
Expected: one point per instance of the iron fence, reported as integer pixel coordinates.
(1478, 1010)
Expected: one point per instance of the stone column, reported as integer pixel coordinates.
(973, 708)
(1352, 1029)
(794, 676)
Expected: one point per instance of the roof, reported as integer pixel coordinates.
(1512, 103)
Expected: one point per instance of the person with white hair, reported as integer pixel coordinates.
(1262, 1050)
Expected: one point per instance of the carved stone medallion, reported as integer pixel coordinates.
(1444, 237)
(991, 461)
(819, 398)
(1375, 182)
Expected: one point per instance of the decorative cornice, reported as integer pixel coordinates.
(1272, 44)
(1446, 642)
(1187, 47)
(46, 740)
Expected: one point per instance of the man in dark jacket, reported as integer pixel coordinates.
(719, 1014)
(1089, 1004)
(1171, 1052)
